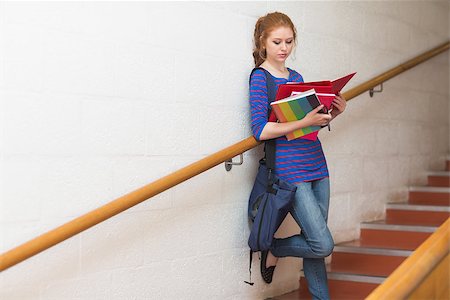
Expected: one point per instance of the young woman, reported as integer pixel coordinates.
(298, 161)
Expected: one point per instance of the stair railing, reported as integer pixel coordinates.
(424, 274)
(88, 220)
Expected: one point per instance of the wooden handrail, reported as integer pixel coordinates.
(121, 204)
(63, 232)
(368, 85)
(402, 282)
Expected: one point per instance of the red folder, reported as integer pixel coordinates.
(321, 87)
(327, 87)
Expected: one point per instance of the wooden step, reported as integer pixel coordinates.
(439, 179)
(408, 214)
(358, 267)
(397, 236)
(366, 261)
(378, 245)
(341, 287)
(425, 195)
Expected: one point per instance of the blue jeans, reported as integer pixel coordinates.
(314, 243)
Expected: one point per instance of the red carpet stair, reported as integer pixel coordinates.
(358, 267)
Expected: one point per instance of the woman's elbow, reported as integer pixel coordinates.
(263, 136)
(268, 132)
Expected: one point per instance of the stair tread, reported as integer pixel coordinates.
(368, 274)
(432, 201)
(362, 243)
(431, 189)
(339, 290)
(417, 207)
(434, 223)
(370, 261)
(335, 274)
(389, 225)
(357, 247)
(439, 173)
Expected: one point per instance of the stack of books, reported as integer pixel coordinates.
(295, 100)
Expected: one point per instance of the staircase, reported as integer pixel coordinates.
(359, 266)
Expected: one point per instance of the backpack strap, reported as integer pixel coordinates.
(269, 145)
(250, 282)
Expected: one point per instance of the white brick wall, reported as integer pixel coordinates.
(98, 99)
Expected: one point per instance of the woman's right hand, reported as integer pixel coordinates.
(273, 130)
(314, 118)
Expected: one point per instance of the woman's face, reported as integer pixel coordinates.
(279, 44)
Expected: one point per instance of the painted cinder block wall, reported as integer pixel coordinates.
(98, 99)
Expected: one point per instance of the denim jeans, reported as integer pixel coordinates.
(314, 243)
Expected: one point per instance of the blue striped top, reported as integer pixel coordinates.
(297, 160)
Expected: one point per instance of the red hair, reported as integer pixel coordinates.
(263, 27)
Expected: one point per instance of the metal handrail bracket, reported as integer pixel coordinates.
(373, 90)
(229, 163)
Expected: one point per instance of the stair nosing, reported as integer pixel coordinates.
(373, 251)
(353, 277)
(399, 227)
(439, 173)
(430, 189)
(417, 207)
(356, 277)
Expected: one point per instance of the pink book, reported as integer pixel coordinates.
(325, 91)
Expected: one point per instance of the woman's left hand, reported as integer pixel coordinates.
(339, 104)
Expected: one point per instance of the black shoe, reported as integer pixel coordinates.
(266, 273)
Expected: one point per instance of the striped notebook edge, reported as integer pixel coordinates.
(295, 108)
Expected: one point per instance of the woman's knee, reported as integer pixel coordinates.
(324, 248)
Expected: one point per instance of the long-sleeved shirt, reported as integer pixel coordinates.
(297, 160)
